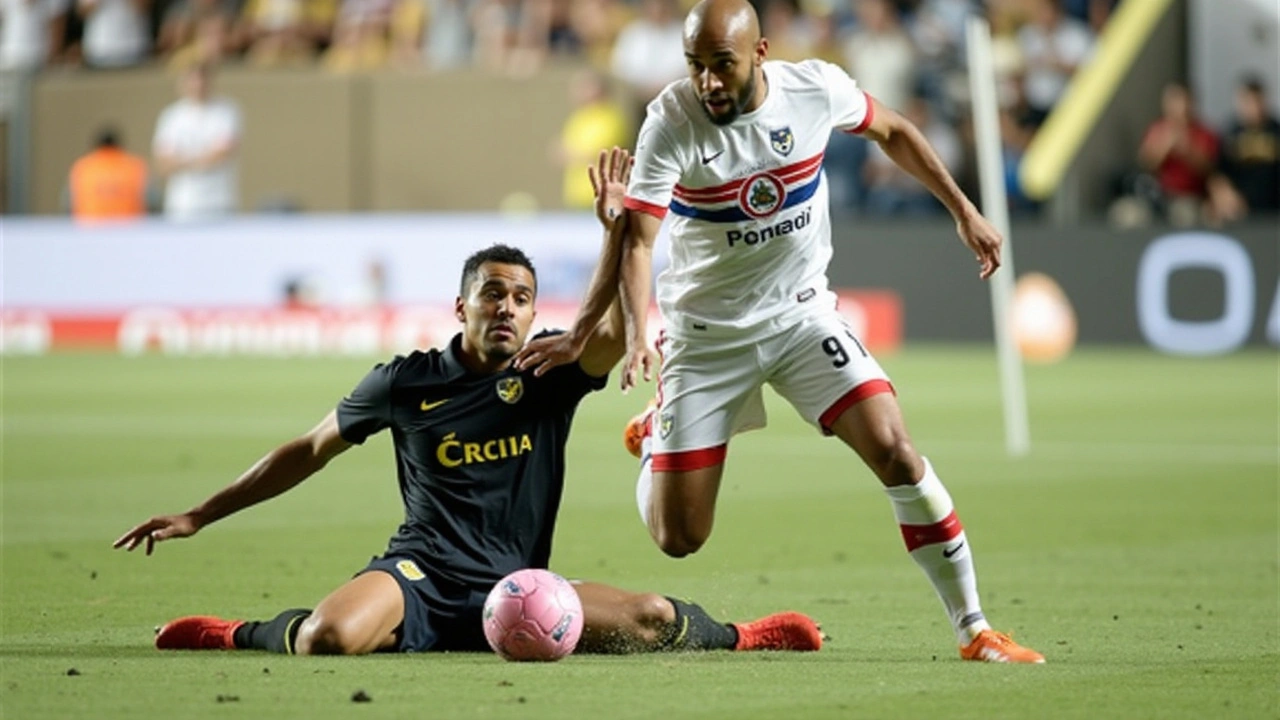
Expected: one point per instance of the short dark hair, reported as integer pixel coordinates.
(107, 137)
(499, 253)
(1253, 84)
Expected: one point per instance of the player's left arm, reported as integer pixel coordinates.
(907, 147)
(600, 350)
(608, 342)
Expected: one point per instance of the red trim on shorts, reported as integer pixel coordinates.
(657, 211)
(688, 460)
(866, 119)
(917, 536)
(851, 398)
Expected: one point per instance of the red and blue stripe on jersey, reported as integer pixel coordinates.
(724, 203)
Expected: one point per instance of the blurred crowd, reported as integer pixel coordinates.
(909, 54)
(1192, 174)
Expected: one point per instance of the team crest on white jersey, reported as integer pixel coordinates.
(782, 140)
(510, 390)
(762, 195)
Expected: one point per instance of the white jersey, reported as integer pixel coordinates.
(751, 226)
(189, 129)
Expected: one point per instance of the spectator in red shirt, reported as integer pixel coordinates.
(1182, 153)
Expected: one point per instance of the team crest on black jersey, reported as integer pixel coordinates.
(782, 140)
(510, 390)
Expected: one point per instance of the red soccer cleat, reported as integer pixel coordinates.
(780, 631)
(198, 632)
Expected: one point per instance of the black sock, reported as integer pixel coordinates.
(275, 635)
(694, 629)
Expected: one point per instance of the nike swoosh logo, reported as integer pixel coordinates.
(952, 551)
(433, 405)
(707, 159)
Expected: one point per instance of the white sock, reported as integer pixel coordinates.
(937, 543)
(644, 484)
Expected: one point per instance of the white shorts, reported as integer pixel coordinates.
(709, 390)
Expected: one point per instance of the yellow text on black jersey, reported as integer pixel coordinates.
(453, 452)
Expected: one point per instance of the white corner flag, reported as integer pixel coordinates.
(995, 205)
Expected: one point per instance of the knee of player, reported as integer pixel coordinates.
(896, 462)
(319, 635)
(678, 542)
(652, 614)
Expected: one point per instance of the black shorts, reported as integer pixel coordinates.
(439, 614)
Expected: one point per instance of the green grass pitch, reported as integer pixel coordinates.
(1136, 547)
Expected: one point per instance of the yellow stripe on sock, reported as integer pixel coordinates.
(288, 630)
(684, 630)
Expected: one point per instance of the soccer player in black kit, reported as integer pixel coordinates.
(481, 464)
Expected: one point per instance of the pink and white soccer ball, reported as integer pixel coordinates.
(533, 615)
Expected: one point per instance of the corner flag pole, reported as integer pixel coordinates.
(995, 205)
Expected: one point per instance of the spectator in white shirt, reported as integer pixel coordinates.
(31, 32)
(880, 56)
(116, 32)
(649, 52)
(1053, 46)
(195, 147)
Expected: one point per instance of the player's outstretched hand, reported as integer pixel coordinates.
(639, 361)
(548, 352)
(981, 237)
(163, 527)
(609, 180)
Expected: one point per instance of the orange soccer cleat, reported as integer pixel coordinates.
(780, 631)
(992, 646)
(639, 427)
(198, 632)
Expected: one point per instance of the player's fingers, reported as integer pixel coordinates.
(595, 182)
(527, 355)
(620, 165)
(989, 266)
(626, 172)
(134, 536)
(151, 544)
(628, 375)
(120, 541)
(602, 166)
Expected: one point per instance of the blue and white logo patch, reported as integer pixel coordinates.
(782, 140)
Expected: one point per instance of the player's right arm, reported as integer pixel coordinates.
(278, 471)
(635, 280)
(657, 170)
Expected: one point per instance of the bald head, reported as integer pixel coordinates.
(731, 21)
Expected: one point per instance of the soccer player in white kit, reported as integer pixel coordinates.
(734, 155)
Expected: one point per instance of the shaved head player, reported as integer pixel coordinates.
(733, 153)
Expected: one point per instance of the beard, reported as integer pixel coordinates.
(736, 107)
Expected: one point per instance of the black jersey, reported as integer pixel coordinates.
(480, 458)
